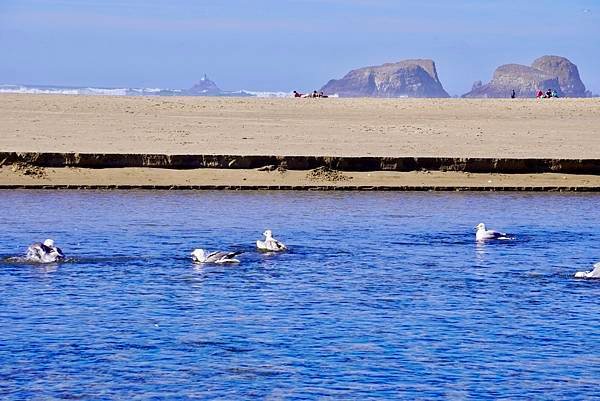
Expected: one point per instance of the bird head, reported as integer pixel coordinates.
(268, 233)
(49, 243)
(199, 255)
(479, 226)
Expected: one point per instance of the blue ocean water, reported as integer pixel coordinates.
(381, 296)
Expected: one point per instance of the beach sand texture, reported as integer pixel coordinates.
(458, 128)
(14, 177)
(520, 128)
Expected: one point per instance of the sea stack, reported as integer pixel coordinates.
(566, 72)
(524, 80)
(205, 87)
(408, 78)
(547, 72)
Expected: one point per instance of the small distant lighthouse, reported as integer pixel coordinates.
(204, 87)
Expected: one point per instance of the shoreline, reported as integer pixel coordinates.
(54, 141)
(31, 177)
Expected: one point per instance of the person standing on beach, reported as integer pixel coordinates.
(513, 94)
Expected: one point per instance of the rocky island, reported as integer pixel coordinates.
(546, 72)
(408, 78)
(204, 87)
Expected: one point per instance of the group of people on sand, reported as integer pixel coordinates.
(550, 93)
(314, 94)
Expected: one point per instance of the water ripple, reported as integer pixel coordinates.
(381, 296)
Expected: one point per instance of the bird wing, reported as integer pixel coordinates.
(59, 251)
(233, 254)
(214, 256)
(35, 250)
(221, 255)
(495, 234)
(595, 273)
(45, 248)
(274, 245)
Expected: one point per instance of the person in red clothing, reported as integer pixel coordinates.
(540, 94)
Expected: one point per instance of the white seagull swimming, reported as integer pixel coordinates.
(270, 244)
(218, 257)
(595, 273)
(45, 252)
(483, 234)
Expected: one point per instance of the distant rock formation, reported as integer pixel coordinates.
(408, 78)
(205, 87)
(525, 81)
(476, 85)
(546, 72)
(566, 72)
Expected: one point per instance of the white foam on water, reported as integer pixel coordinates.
(84, 91)
(104, 92)
(6, 88)
(267, 94)
(62, 91)
(32, 90)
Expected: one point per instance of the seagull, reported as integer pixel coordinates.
(595, 273)
(45, 252)
(218, 257)
(270, 244)
(483, 234)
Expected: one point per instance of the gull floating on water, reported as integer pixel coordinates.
(595, 273)
(270, 243)
(45, 252)
(218, 257)
(483, 234)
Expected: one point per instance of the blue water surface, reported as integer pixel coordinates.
(381, 296)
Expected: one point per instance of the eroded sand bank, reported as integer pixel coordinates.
(535, 129)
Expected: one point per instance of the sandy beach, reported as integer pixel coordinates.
(554, 128)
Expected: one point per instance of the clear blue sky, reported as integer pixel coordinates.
(284, 44)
